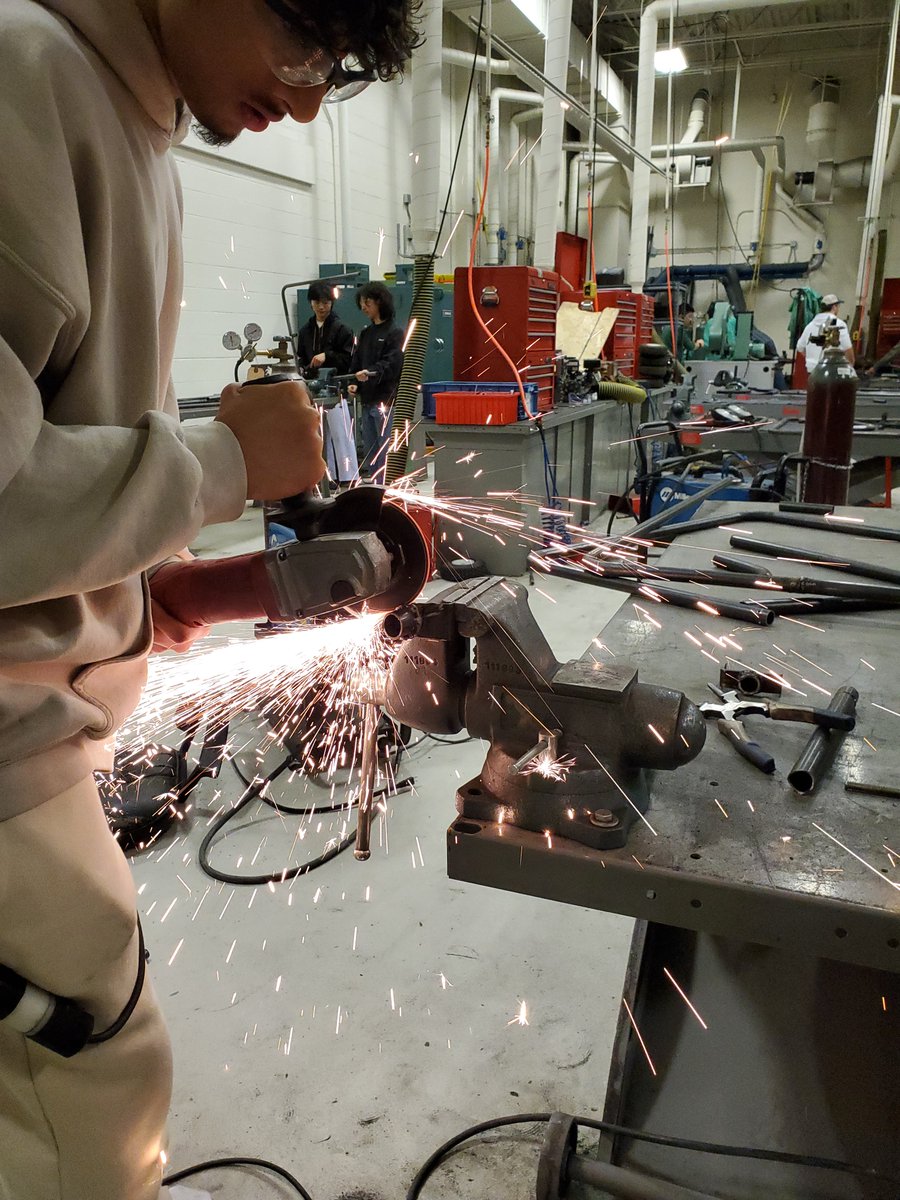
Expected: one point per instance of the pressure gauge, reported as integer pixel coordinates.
(252, 332)
(231, 340)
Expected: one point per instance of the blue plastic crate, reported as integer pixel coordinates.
(430, 390)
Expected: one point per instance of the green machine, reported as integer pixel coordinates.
(439, 356)
(727, 334)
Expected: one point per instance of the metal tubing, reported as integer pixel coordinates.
(366, 781)
(872, 789)
(825, 604)
(649, 577)
(749, 612)
(670, 533)
(807, 771)
(619, 1182)
(816, 557)
(674, 510)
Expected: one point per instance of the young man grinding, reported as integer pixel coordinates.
(99, 484)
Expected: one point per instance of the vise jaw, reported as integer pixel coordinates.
(477, 659)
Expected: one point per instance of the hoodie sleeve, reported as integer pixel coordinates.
(86, 506)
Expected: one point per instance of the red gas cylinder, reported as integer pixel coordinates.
(828, 431)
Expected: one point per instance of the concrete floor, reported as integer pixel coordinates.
(346, 1025)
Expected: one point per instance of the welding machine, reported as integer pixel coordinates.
(667, 474)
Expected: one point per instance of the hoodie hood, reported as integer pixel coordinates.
(118, 31)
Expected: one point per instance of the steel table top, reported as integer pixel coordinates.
(732, 851)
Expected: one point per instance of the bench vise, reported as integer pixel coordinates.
(572, 744)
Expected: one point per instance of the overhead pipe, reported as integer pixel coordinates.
(462, 58)
(693, 129)
(605, 135)
(892, 161)
(643, 127)
(556, 69)
(520, 216)
(879, 153)
(494, 197)
(754, 146)
(425, 209)
(574, 191)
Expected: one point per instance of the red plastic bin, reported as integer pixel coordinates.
(476, 408)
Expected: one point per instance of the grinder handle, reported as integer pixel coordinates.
(303, 502)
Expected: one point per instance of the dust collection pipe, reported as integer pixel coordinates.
(643, 126)
(828, 429)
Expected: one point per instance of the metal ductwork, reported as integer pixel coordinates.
(656, 11)
(683, 164)
(556, 69)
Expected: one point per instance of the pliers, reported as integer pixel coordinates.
(731, 707)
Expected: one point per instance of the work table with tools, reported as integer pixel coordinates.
(760, 1002)
(736, 851)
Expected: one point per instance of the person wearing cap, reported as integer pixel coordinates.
(817, 326)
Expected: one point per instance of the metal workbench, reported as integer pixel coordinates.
(784, 940)
(589, 448)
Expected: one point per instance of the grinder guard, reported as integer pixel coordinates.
(611, 728)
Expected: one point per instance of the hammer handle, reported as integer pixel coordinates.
(825, 718)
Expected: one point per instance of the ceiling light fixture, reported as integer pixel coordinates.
(669, 61)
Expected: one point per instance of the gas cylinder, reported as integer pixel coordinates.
(828, 430)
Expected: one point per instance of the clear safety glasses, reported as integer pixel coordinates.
(299, 64)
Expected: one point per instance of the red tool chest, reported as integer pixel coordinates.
(519, 306)
(633, 327)
(889, 323)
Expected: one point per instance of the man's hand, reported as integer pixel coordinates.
(318, 360)
(279, 435)
(362, 376)
(352, 389)
(870, 371)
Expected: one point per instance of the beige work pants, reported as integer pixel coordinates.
(89, 1127)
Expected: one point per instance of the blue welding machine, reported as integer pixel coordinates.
(670, 489)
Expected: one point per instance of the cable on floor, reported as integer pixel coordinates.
(253, 792)
(805, 1160)
(216, 1164)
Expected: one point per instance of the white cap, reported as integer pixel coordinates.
(830, 299)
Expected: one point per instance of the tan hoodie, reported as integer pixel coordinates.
(98, 481)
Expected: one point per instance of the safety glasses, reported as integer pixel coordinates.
(299, 64)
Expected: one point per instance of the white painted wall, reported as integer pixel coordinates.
(264, 212)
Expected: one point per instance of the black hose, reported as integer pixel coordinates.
(409, 388)
(806, 773)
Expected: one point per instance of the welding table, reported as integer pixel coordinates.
(787, 945)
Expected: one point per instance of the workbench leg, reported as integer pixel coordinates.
(799, 1055)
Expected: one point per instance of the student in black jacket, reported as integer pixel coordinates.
(324, 341)
(377, 362)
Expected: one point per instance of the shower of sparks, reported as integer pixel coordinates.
(639, 1037)
(305, 678)
(521, 1017)
(874, 870)
(549, 767)
(409, 332)
(380, 246)
(671, 978)
(452, 232)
